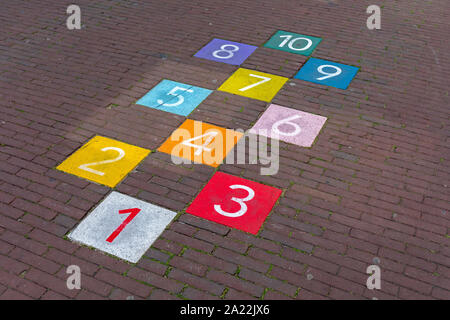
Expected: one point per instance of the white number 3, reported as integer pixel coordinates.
(241, 201)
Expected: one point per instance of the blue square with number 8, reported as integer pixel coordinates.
(174, 97)
(225, 51)
(327, 73)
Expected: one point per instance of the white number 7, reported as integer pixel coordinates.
(328, 75)
(265, 79)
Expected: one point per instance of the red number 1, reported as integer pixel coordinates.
(133, 213)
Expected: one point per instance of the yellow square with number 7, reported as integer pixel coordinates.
(253, 84)
(103, 160)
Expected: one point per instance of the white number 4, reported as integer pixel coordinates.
(265, 79)
(200, 148)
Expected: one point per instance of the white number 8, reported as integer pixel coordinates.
(243, 209)
(223, 49)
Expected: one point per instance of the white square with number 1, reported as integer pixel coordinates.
(123, 226)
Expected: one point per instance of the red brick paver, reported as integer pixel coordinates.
(373, 189)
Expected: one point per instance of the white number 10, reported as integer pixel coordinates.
(291, 43)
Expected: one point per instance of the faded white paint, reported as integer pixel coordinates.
(135, 238)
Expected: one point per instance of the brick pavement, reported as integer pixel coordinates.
(374, 186)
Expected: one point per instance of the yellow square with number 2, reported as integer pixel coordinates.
(103, 160)
(253, 84)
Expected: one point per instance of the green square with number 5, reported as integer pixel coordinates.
(293, 42)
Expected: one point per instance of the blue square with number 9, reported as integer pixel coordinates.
(174, 97)
(327, 73)
(225, 51)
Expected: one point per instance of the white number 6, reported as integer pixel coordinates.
(243, 209)
(287, 121)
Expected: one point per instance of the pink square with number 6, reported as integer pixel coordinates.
(289, 125)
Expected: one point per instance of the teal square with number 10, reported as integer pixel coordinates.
(174, 97)
(293, 42)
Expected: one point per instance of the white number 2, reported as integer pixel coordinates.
(241, 201)
(172, 93)
(287, 121)
(265, 79)
(85, 167)
(327, 74)
(223, 49)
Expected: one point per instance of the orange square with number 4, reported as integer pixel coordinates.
(196, 141)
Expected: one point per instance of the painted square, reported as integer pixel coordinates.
(123, 226)
(328, 73)
(174, 97)
(293, 42)
(225, 51)
(253, 84)
(200, 142)
(104, 161)
(235, 202)
(289, 125)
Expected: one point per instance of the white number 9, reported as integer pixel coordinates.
(327, 74)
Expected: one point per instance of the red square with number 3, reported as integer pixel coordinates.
(235, 202)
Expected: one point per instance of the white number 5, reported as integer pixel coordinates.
(241, 201)
(172, 93)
